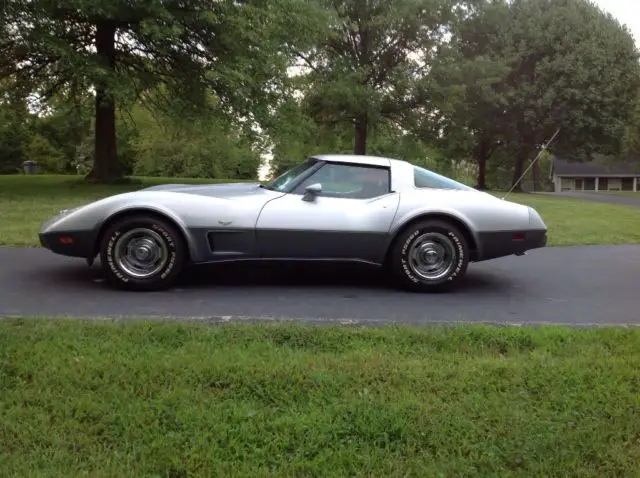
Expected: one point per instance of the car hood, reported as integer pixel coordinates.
(225, 190)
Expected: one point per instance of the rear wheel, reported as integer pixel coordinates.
(142, 253)
(431, 255)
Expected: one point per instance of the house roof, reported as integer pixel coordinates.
(565, 167)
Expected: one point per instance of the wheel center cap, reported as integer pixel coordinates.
(142, 253)
(430, 256)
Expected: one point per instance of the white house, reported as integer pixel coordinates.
(568, 175)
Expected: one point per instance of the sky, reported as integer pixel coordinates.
(626, 12)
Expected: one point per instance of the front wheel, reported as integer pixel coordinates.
(142, 253)
(431, 255)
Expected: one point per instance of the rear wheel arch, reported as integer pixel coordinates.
(456, 222)
(139, 211)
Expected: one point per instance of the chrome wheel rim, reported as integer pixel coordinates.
(141, 253)
(432, 256)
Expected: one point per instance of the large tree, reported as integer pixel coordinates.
(370, 63)
(546, 64)
(120, 49)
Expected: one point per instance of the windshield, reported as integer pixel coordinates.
(423, 178)
(281, 182)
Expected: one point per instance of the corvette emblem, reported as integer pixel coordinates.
(224, 223)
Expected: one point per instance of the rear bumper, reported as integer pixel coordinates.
(72, 243)
(492, 245)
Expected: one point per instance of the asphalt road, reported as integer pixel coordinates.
(574, 285)
(607, 198)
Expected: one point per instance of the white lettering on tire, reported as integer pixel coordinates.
(459, 257)
(165, 272)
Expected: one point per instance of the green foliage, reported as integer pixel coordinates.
(295, 135)
(207, 149)
(529, 67)
(369, 65)
(160, 144)
(14, 134)
(49, 158)
(182, 143)
(631, 138)
(578, 69)
(187, 49)
(199, 89)
(183, 46)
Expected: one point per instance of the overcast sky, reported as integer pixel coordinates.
(626, 12)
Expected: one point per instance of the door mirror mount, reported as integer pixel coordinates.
(311, 191)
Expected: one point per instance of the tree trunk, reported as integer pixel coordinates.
(482, 152)
(521, 158)
(537, 184)
(105, 163)
(482, 171)
(361, 134)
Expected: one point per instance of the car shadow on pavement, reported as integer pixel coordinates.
(75, 275)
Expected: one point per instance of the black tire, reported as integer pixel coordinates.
(455, 261)
(164, 238)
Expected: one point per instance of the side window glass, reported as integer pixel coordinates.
(349, 181)
(425, 179)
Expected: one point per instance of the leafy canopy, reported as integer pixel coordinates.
(369, 65)
(524, 68)
(122, 49)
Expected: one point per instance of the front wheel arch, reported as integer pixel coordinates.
(151, 213)
(454, 221)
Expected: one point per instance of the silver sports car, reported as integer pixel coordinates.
(423, 228)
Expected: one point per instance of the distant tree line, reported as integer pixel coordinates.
(110, 88)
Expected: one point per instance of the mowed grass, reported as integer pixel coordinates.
(160, 399)
(27, 201)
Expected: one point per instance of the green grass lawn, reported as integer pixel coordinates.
(27, 201)
(159, 399)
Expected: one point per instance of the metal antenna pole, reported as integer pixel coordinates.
(542, 150)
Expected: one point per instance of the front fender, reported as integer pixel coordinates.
(91, 219)
(159, 210)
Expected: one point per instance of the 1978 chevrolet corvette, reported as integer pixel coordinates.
(422, 227)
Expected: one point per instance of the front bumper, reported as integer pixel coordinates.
(71, 243)
(492, 245)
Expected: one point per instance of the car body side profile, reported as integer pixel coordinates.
(422, 227)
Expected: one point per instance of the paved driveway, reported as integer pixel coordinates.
(572, 285)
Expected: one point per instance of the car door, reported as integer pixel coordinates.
(349, 219)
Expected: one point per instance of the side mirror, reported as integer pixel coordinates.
(312, 191)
